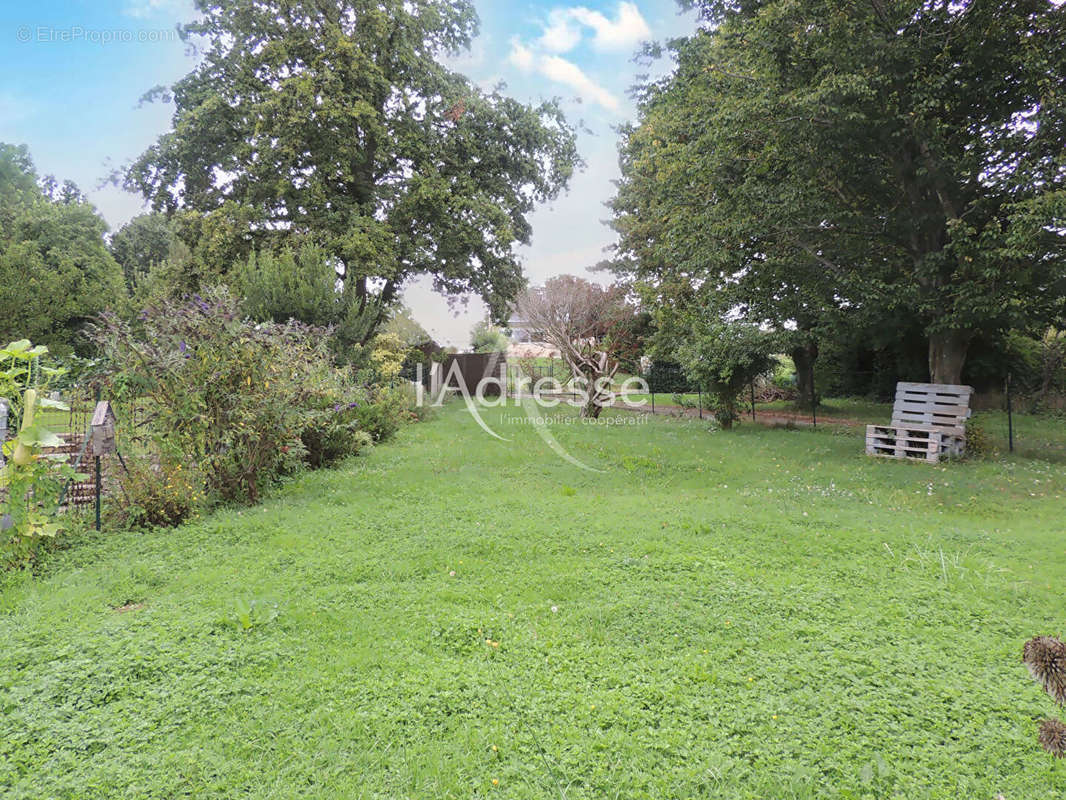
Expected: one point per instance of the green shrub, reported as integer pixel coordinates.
(387, 355)
(379, 419)
(301, 283)
(389, 408)
(682, 401)
(327, 441)
(245, 403)
(330, 429)
(488, 338)
(724, 358)
(979, 442)
(156, 495)
(784, 375)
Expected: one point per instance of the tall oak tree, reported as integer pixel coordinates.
(336, 121)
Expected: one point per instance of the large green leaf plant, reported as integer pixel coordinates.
(31, 480)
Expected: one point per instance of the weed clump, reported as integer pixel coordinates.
(1053, 737)
(1045, 656)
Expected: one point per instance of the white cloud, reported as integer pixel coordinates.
(521, 56)
(142, 9)
(569, 74)
(560, 36)
(563, 31)
(627, 30)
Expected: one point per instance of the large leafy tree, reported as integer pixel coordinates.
(879, 159)
(337, 121)
(402, 322)
(142, 243)
(55, 270)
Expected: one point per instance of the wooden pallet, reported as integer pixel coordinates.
(928, 421)
(945, 407)
(889, 441)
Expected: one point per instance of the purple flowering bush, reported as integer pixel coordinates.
(331, 430)
(224, 394)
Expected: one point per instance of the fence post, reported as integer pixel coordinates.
(3, 427)
(96, 463)
(1010, 418)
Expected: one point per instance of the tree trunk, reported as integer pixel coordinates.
(596, 400)
(947, 355)
(804, 356)
(592, 408)
(589, 370)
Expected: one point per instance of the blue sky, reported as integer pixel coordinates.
(73, 71)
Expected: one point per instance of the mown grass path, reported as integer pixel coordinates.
(758, 614)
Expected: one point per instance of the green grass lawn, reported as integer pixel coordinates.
(756, 614)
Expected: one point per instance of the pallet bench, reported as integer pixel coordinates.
(928, 422)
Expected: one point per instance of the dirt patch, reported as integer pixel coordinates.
(796, 418)
(761, 417)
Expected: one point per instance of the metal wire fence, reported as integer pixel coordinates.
(98, 476)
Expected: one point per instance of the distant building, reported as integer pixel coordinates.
(520, 331)
(523, 344)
